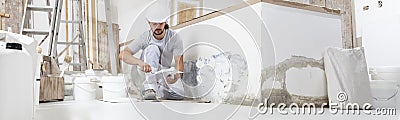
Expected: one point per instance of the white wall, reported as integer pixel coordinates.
(379, 29)
(296, 32)
(301, 32)
(130, 12)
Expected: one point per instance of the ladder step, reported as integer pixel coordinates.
(40, 8)
(35, 32)
(76, 21)
(69, 43)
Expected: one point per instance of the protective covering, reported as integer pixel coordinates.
(347, 76)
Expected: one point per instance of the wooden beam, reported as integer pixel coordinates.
(104, 46)
(315, 8)
(348, 25)
(318, 2)
(216, 14)
(87, 33)
(297, 5)
(94, 33)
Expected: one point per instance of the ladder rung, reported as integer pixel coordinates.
(35, 32)
(40, 8)
(69, 43)
(64, 21)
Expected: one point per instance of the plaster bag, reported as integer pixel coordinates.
(347, 76)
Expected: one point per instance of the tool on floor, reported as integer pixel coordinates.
(1, 16)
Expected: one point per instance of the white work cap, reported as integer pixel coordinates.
(157, 12)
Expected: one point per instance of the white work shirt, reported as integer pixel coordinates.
(170, 46)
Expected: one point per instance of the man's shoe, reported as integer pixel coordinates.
(149, 94)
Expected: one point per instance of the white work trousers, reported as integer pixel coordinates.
(157, 82)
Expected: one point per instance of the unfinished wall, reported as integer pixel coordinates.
(15, 9)
(104, 50)
(299, 38)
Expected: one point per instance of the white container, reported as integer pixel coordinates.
(36, 93)
(16, 84)
(385, 73)
(84, 89)
(113, 88)
(385, 93)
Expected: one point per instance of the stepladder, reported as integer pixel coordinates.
(52, 34)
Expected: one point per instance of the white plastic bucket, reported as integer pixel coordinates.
(385, 93)
(385, 73)
(113, 88)
(84, 89)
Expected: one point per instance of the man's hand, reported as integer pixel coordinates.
(145, 67)
(172, 79)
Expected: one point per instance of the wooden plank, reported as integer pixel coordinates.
(321, 9)
(112, 45)
(318, 2)
(104, 54)
(87, 33)
(348, 25)
(51, 88)
(216, 14)
(94, 34)
(251, 2)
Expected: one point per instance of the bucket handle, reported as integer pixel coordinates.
(386, 99)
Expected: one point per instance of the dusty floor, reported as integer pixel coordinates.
(98, 110)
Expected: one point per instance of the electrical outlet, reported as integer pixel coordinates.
(380, 3)
(365, 8)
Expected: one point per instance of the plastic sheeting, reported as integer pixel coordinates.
(347, 76)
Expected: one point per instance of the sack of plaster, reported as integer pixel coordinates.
(347, 77)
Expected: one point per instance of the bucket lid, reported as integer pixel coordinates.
(83, 80)
(112, 79)
(386, 69)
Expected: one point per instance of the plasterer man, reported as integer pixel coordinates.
(161, 46)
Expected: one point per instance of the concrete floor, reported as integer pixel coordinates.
(98, 110)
